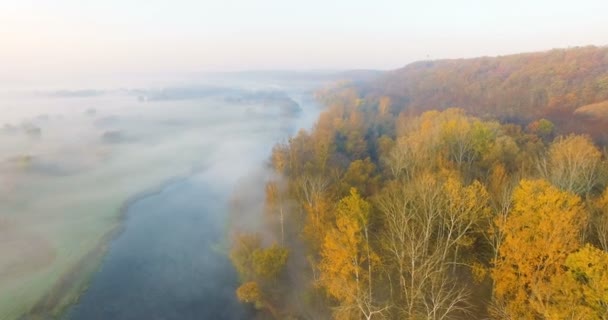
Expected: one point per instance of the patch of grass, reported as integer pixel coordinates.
(77, 216)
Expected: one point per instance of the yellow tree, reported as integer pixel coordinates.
(542, 229)
(500, 190)
(360, 175)
(313, 195)
(323, 139)
(280, 157)
(583, 288)
(347, 260)
(269, 262)
(258, 269)
(250, 292)
(464, 217)
(417, 146)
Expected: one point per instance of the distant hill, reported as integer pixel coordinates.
(518, 88)
(598, 110)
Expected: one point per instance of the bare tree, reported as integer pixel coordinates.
(425, 223)
(573, 163)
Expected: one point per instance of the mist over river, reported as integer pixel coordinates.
(169, 263)
(91, 227)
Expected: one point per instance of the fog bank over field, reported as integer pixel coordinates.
(71, 158)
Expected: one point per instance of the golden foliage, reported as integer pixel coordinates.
(447, 207)
(249, 292)
(583, 288)
(542, 229)
(342, 251)
(269, 262)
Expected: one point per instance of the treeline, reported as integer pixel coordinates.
(383, 213)
(514, 88)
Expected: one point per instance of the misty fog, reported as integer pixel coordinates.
(70, 161)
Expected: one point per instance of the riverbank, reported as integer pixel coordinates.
(74, 283)
(164, 264)
(69, 223)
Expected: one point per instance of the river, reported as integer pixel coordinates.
(170, 259)
(167, 262)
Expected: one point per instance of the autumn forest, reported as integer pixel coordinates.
(452, 189)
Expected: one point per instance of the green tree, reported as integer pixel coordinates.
(269, 262)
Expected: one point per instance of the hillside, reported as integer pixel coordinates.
(597, 110)
(515, 88)
(397, 206)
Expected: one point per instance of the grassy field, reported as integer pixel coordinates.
(51, 245)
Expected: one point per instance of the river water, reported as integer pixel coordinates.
(166, 264)
(170, 261)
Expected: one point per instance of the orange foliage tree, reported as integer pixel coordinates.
(542, 229)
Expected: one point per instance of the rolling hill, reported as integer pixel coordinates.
(517, 88)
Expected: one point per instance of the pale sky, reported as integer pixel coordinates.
(69, 37)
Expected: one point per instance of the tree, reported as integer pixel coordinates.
(601, 220)
(360, 175)
(446, 203)
(269, 262)
(542, 128)
(312, 193)
(426, 224)
(241, 254)
(417, 146)
(464, 217)
(384, 145)
(457, 134)
(500, 187)
(384, 106)
(275, 204)
(589, 268)
(542, 229)
(250, 292)
(583, 288)
(573, 164)
(347, 260)
(258, 268)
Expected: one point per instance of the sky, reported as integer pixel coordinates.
(66, 38)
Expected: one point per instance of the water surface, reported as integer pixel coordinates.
(167, 264)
